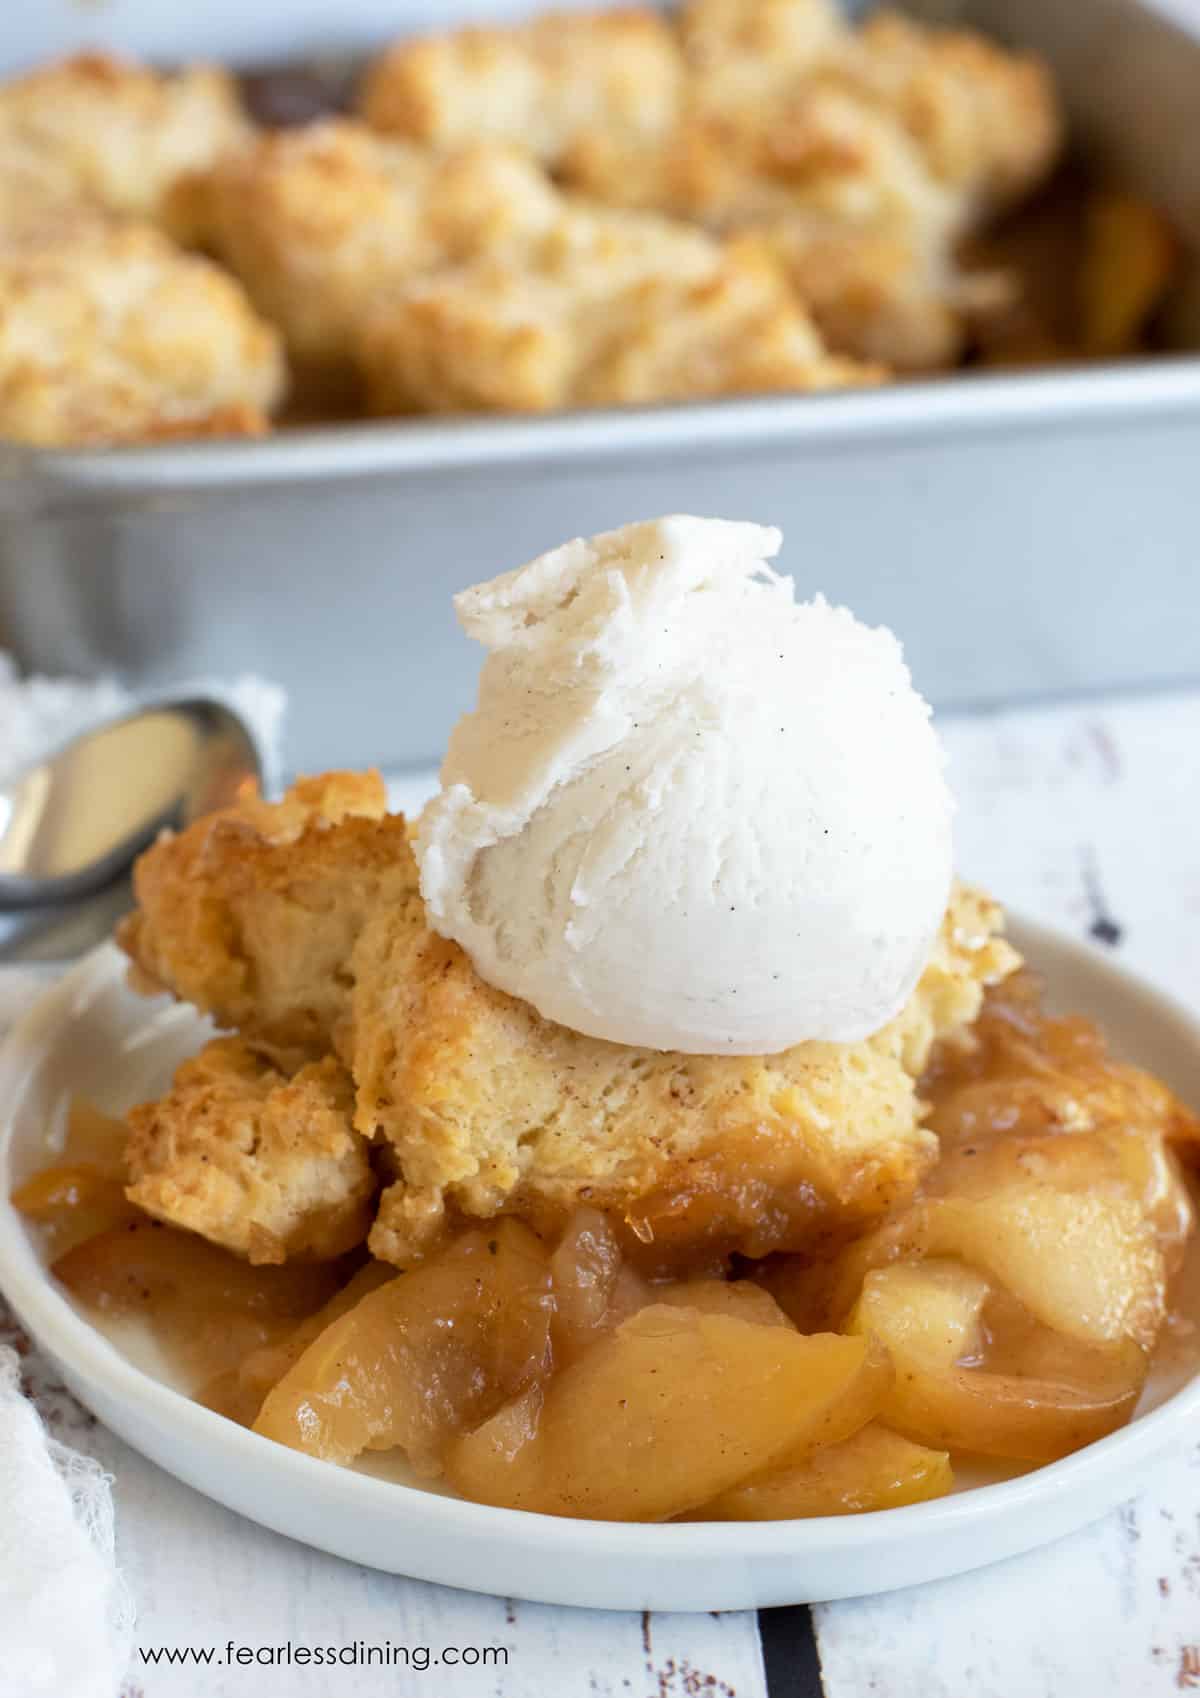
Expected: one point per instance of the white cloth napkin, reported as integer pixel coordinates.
(66, 1619)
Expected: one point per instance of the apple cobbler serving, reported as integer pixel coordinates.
(652, 1129)
(587, 208)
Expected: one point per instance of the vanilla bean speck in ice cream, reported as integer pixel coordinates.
(688, 812)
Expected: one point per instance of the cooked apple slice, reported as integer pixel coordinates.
(820, 1295)
(1086, 1265)
(929, 1316)
(672, 1408)
(72, 1203)
(95, 1138)
(594, 1288)
(424, 1357)
(210, 1308)
(741, 1298)
(584, 1271)
(238, 1393)
(1152, 1171)
(145, 1265)
(1018, 1343)
(873, 1469)
(1130, 256)
(83, 1194)
(932, 1311)
(1090, 1264)
(1128, 1160)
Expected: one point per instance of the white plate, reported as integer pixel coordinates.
(91, 1036)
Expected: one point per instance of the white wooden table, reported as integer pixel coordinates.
(1087, 817)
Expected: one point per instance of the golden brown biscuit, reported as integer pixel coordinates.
(319, 222)
(608, 308)
(493, 1109)
(109, 333)
(739, 331)
(841, 193)
(786, 35)
(861, 157)
(740, 52)
(536, 85)
(486, 338)
(252, 913)
(114, 134)
(866, 234)
(516, 333)
(969, 954)
(264, 1163)
(987, 120)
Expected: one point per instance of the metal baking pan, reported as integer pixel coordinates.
(1024, 534)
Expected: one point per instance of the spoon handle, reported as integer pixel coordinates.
(61, 933)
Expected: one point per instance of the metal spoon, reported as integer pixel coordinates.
(72, 823)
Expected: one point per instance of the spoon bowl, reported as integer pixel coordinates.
(71, 823)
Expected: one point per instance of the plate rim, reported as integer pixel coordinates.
(66, 1336)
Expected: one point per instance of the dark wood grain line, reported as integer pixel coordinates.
(789, 1648)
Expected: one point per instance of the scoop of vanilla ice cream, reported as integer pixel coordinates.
(688, 812)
